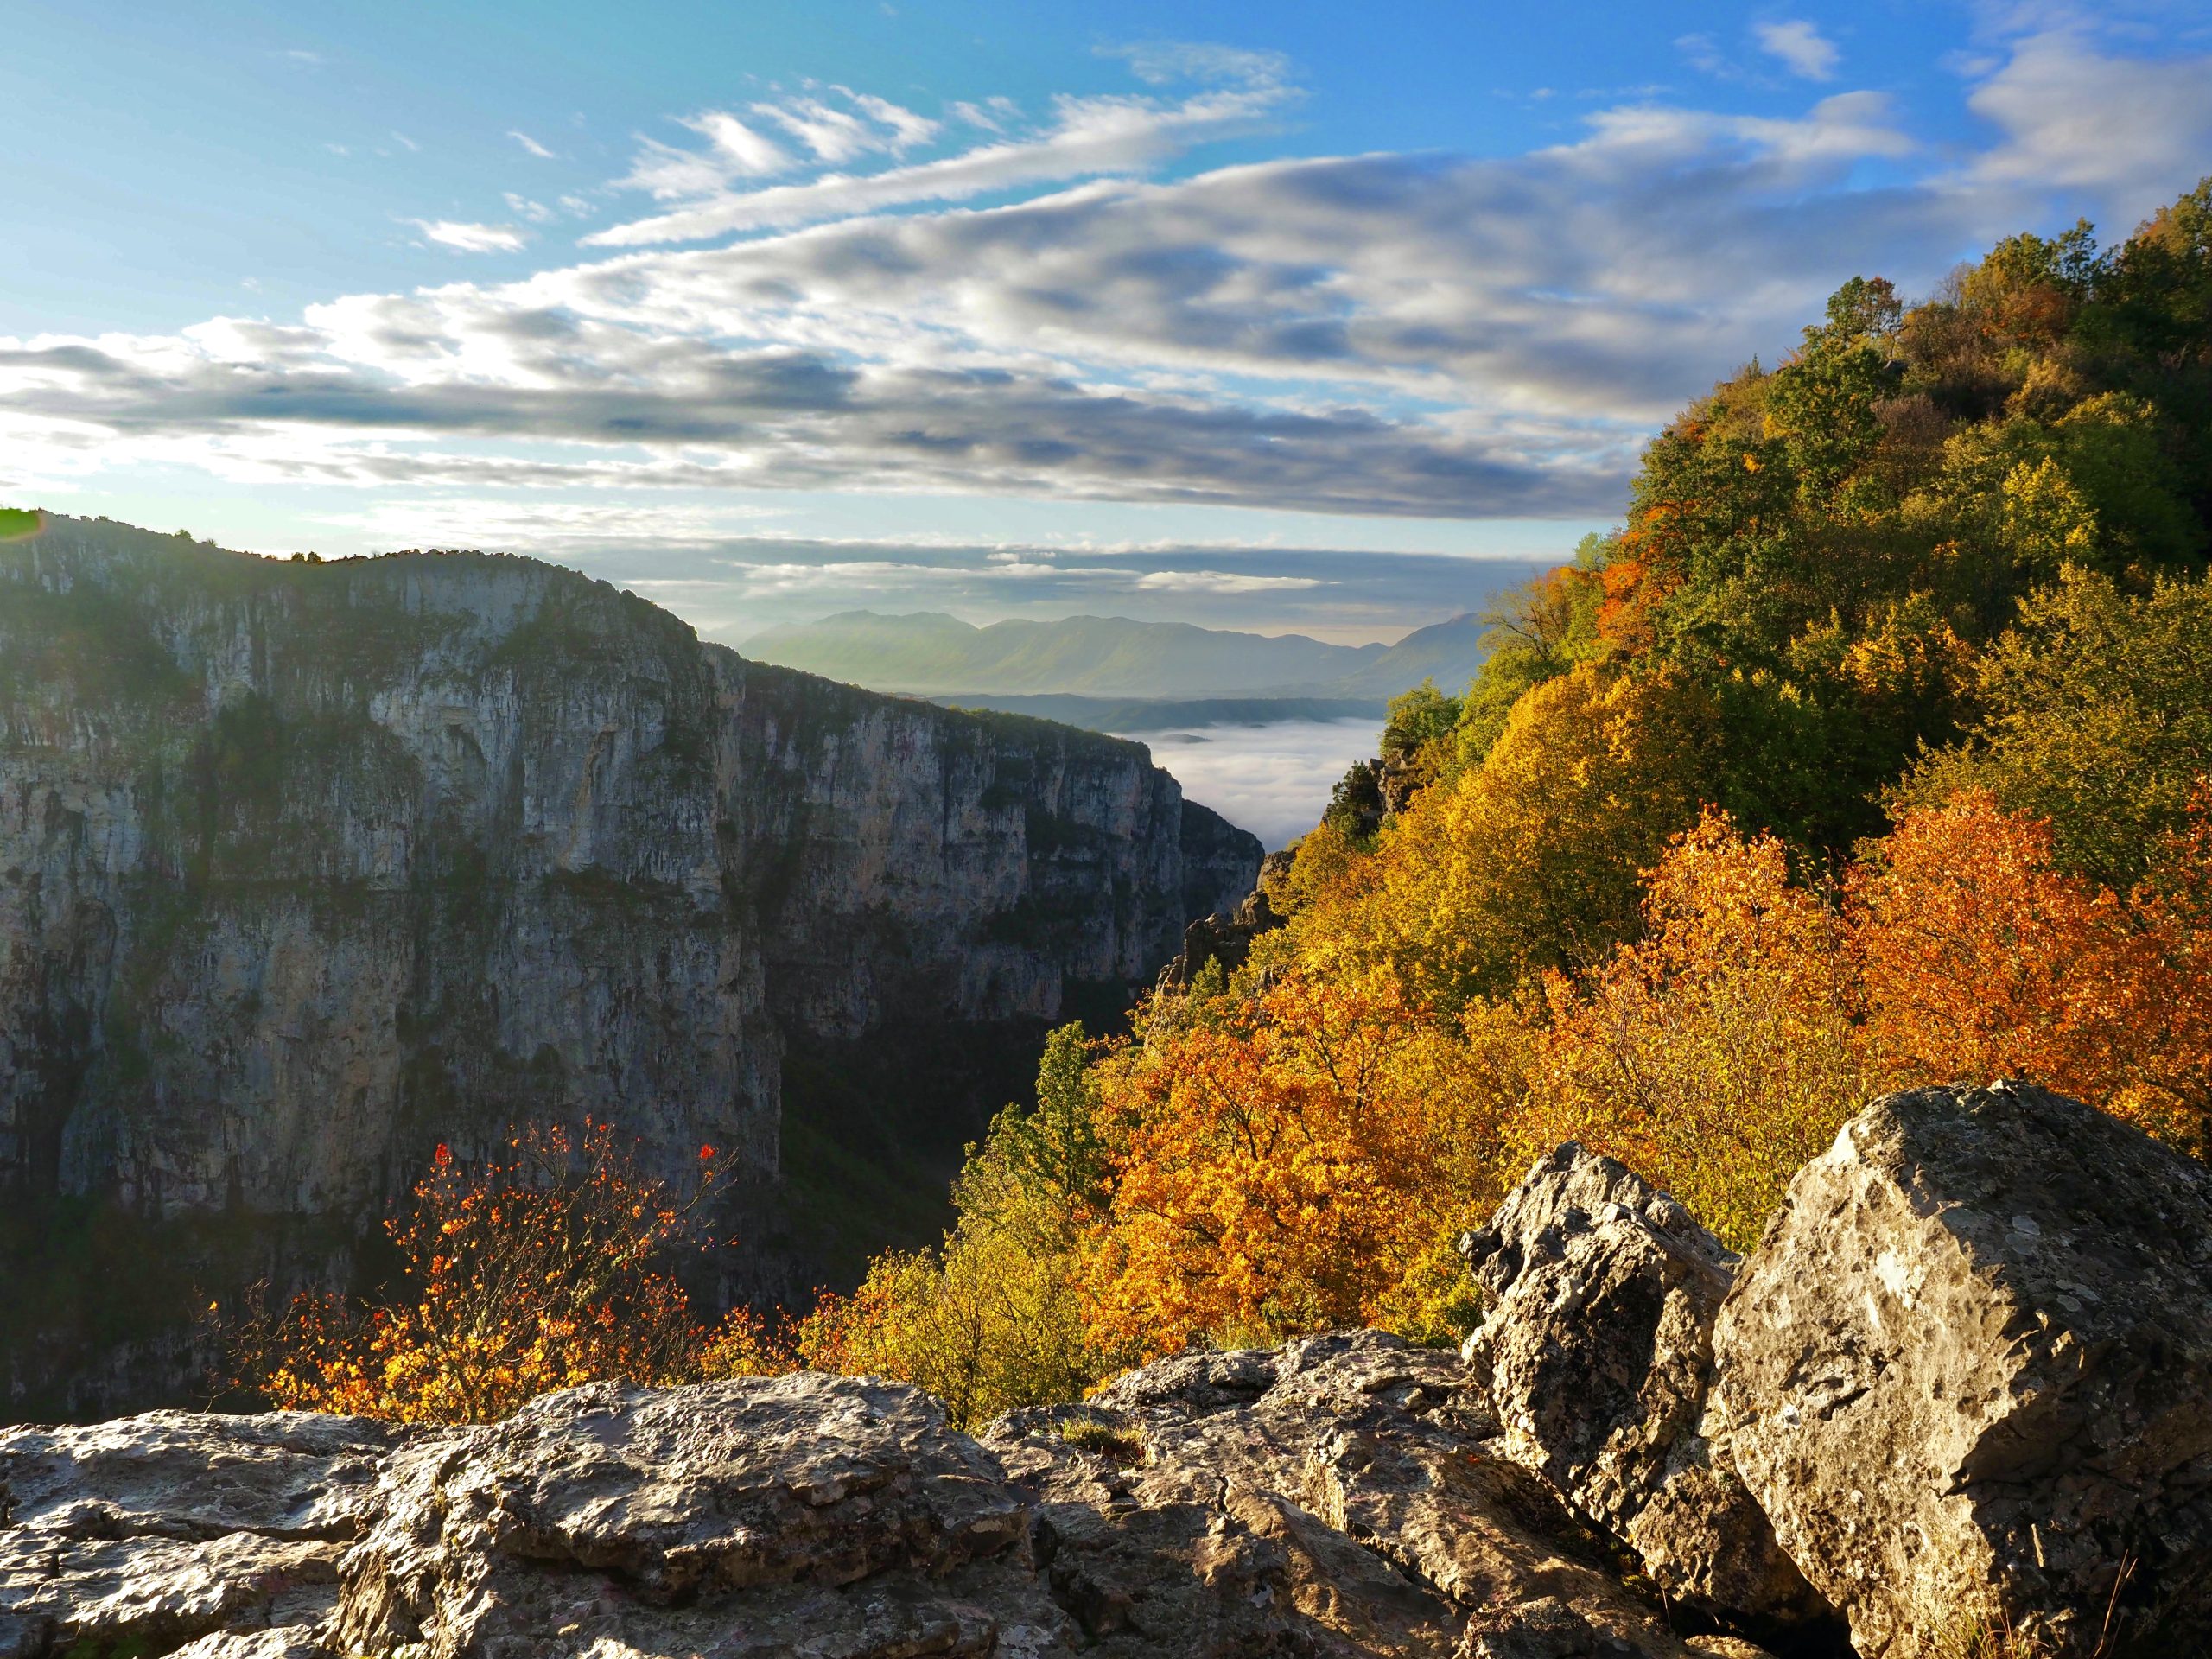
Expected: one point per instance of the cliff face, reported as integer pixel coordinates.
(304, 867)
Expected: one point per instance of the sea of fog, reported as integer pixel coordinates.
(1272, 781)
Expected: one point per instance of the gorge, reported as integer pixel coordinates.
(308, 867)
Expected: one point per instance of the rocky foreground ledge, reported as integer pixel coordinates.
(1966, 1376)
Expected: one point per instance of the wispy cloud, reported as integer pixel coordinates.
(465, 237)
(1801, 47)
(1220, 581)
(993, 115)
(1087, 137)
(531, 144)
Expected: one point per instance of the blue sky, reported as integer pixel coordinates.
(1270, 316)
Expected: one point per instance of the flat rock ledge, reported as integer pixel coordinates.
(1338, 1497)
(1965, 1381)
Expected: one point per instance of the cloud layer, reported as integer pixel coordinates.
(988, 303)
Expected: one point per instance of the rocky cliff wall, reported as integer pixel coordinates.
(304, 867)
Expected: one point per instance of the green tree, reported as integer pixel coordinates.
(2096, 714)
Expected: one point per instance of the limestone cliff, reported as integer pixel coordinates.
(305, 867)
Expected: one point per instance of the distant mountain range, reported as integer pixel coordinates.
(1127, 716)
(929, 654)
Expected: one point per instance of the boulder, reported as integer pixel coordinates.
(1596, 1351)
(285, 1642)
(1968, 1374)
(142, 1535)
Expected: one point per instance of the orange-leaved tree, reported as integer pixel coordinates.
(1983, 957)
(1284, 1162)
(539, 1272)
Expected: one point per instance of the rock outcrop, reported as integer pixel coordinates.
(1596, 1351)
(1227, 940)
(1968, 1374)
(305, 868)
(1339, 1497)
(140, 1535)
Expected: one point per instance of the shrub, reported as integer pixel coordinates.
(520, 1276)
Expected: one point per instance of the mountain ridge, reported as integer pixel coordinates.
(932, 653)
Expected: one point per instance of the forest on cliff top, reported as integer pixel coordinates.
(1870, 749)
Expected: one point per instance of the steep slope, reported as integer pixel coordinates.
(305, 868)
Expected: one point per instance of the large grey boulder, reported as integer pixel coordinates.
(1596, 1350)
(1969, 1373)
(142, 1535)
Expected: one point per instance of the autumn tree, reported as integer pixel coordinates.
(1287, 1165)
(1719, 1053)
(1983, 958)
(539, 1271)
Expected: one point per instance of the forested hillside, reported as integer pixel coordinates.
(1870, 749)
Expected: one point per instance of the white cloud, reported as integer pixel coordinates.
(531, 144)
(405, 142)
(1273, 779)
(1220, 581)
(831, 134)
(1159, 63)
(908, 128)
(522, 207)
(741, 148)
(2134, 131)
(468, 521)
(993, 115)
(1702, 53)
(465, 237)
(1801, 47)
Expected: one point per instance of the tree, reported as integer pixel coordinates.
(1297, 1161)
(1983, 958)
(1532, 859)
(1536, 633)
(538, 1273)
(2095, 717)
(1717, 1054)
